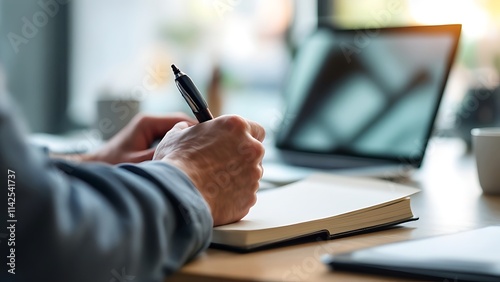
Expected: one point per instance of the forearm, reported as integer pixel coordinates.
(130, 217)
(90, 221)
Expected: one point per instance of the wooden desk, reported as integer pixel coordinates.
(451, 201)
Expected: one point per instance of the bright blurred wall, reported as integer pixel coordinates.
(125, 48)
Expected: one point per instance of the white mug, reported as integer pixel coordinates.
(486, 144)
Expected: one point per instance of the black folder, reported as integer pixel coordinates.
(466, 256)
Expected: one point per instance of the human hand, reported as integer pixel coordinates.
(223, 158)
(133, 143)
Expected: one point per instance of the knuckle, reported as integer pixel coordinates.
(259, 131)
(259, 149)
(251, 151)
(262, 132)
(255, 175)
(235, 122)
(252, 200)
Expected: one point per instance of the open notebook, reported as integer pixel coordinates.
(321, 203)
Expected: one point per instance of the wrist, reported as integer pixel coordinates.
(195, 177)
(190, 173)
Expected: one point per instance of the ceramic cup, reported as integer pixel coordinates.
(486, 145)
(114, 114)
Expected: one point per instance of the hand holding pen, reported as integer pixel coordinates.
(192, 96)
(229, 147)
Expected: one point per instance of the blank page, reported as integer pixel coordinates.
(317, 197)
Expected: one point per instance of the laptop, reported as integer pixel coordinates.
(362, 102)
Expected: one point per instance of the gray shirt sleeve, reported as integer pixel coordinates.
(96, 222)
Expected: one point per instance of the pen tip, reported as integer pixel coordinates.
(175, 69)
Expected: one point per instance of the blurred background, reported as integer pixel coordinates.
(61, 57)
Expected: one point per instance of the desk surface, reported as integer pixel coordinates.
(451, 201)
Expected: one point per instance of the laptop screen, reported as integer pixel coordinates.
(367, 93)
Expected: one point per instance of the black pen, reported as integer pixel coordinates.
(192, 96)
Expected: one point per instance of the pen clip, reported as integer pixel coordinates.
(188, 98)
